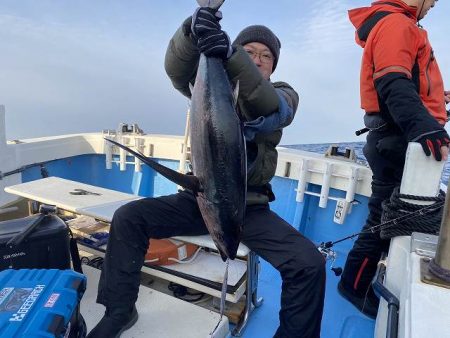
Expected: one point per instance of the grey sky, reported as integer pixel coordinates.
(83, 66)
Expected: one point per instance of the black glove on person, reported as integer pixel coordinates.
(205, 20)
(206, 30)
(432, 143)
(215, 44)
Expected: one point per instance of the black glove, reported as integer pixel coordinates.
(215, 44)
(432, 143)
(204, 21)
(211, 39)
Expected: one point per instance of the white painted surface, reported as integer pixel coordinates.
(207, 242)
(57, 191)
(396, 280)
(421, 175)
(424, 308)
(428, 308)
(160, 315)
(211, 267)
(341, 174)
(7, 161)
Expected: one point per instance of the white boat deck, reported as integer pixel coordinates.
(160, 315)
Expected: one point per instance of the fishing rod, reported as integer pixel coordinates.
(44, 172)
(388, 224)
(329, 254)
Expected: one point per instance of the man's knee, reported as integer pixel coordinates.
(317, 265)
(310, 265)
(125, 221)
(123, 214)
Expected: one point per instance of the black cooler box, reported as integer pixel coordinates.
(46, 244)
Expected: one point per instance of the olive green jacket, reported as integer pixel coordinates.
(257, 97)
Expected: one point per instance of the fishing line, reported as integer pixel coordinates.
(222, 297)
(388, 224)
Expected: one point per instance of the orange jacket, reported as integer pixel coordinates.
(393, 42)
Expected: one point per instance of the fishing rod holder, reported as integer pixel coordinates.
(130, 135)
(330, 171)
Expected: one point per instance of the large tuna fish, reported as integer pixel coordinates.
(217, 153)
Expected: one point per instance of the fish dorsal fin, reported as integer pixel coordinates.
(190, 182)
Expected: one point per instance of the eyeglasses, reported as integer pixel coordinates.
(264, 57)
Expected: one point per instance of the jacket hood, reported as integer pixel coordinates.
(359, 15)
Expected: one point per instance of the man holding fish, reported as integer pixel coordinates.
(263, 109)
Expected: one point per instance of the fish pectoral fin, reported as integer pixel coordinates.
(190, 182)
(236, 93)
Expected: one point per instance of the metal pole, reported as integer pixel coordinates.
(442, 258)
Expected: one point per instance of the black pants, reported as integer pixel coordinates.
(301, 266)
(385, 151)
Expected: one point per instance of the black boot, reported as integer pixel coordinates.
(113, 323)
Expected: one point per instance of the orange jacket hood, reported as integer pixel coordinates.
(359, 15)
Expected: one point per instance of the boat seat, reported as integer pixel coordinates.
(100, 203)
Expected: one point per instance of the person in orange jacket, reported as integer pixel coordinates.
(403, 95)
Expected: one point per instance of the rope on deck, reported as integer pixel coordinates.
(395, 208)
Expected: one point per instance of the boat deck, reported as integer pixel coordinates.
(340, 319)
(158, 313)
(338, 313)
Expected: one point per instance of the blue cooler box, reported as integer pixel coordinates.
(41, 303)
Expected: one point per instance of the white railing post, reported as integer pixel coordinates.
(325, 185)
(107, 149)
(301, 187)
(138, 144)
(123, 154)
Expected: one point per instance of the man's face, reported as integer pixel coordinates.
(425, 5)
(262, 57)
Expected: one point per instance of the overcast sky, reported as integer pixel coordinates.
(87, 65)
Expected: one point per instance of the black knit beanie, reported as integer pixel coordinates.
(261, 34)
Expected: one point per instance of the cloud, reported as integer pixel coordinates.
(82, 77)
(316, 63)
(86, 66)
(325, 28)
